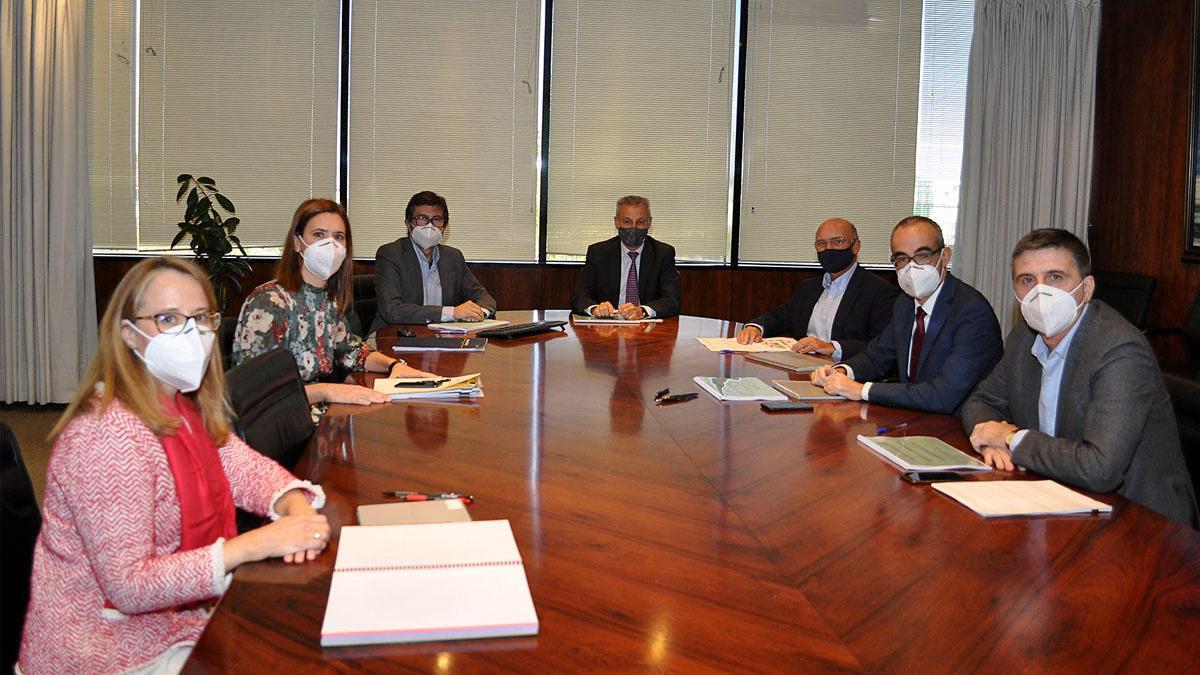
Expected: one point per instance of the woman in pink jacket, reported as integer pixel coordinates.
(139, 533)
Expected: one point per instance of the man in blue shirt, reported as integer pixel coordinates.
(1078, 395)
(837, 313)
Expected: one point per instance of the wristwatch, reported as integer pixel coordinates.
(393, 365)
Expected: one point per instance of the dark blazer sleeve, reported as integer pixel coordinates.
(878, 358)
(989, 401)
(875, 302)
(586, 293)
(667, 301)
(974, 348)
(466, 286)
(397, 287)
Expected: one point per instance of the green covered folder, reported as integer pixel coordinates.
(739, 389)
(922, 453)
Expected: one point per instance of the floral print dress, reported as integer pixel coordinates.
(306, 322)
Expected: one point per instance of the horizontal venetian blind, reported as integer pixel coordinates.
(831, 123)
(641, 101)
(445, 97)
(110, 72)
(244, 92)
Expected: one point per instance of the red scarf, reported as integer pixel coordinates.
(206, 508)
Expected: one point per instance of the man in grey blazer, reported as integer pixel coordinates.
(420, 280)
(1078, 396)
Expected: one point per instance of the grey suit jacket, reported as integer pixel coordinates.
(1115, 429)
(401, 291)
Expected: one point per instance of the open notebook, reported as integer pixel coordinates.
(417, 583)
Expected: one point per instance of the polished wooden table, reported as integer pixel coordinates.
(704, 536)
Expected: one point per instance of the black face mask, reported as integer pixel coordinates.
(835, 260)
(632, 236)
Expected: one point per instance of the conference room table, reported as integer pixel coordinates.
(708, 536)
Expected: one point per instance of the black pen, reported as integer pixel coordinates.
(677, 398)
(422, 383)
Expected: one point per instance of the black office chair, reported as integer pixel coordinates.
(1128, 293)
(21, 521)
(271, 411)
(362, 314)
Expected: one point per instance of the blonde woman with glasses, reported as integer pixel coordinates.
(139, 534)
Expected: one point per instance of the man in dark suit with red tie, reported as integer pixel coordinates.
(942, 340)
(632, 275)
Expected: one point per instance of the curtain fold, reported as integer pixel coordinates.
(47, 295)
(1027, 151)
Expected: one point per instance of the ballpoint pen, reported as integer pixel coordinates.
(894, 427)
(676, 398)
(408, 496)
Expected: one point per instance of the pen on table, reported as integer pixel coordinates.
(677, 398)
(407, 496)
(894, 427)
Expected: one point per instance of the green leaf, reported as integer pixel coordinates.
(183, 178)
(182, 189)
(202, 208)
(193, 197)
(224, 202)
(231, 224)
(206, 180)
(178, 238)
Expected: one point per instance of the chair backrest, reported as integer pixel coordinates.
(270, 407)
(21, 520)
(1128, 293)
(1191, 333)
(226, 331)
(365, 305)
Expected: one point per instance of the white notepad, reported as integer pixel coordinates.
(997, 498)
(417, 583)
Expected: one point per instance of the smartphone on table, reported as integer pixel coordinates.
(784, 406)
(918, 477)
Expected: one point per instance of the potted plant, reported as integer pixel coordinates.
(212, 233)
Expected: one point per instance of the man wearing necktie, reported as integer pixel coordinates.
(632, 275)
(943, 337)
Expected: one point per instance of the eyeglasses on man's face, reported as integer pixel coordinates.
(175, 322)
(423, 220)
(921, 257)
(836, 242)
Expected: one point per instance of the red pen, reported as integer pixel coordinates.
(408, 496)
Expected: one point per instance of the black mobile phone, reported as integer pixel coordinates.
(918, 477)
(784, 406)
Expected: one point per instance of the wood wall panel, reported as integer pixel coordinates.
(1139, 191)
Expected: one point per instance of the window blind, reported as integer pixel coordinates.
(641, 101)
(445, 97)
(110, 70)
(246, 93)
(831, 123)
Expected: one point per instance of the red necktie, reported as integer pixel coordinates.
(918, 340)
(631, 283)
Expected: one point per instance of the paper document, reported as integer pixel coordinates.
(805, 391)
(400, 388)
(995, 498)
(775, 344)
(412, 513)
(467, 326)
(584, 318)
(739, 389)
(416, 583)
(922, 453)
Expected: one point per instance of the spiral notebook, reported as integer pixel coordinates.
(419, 583)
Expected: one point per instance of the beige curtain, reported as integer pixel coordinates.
(1027, 154)
(47, 296)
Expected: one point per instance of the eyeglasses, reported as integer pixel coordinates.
(437, 221)
(923, 257)
(174, 322)
(836, 242)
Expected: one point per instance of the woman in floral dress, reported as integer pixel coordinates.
(304, 309)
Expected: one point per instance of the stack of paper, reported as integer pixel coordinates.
(585, 319)
(413, 513)
(399, 388)
(738, 389)
(439, 344)
(793, 361)
(461, 327)
(775, 344)
(922, 453)
(415, 583)
(994, 498)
